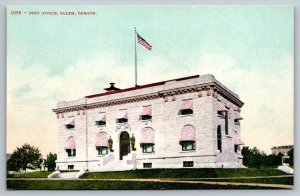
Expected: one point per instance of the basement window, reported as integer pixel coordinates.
(236, 121)
(70, 167)
(188, 163)
(147, 165)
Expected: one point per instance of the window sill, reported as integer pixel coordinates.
(147, 153)
(220, 116)
(123, 123)
(71, 157)
(144, 121)
(100, 126)
(187, 151)
(182, 116)
(68, 129)
(102, 155)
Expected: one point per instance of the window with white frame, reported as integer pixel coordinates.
(148, 148)
(101, 119)
(102, 150)
(70, 122)
(122, 116)
(188, 145)
(146, 113)
(71, 152)
(186, 107)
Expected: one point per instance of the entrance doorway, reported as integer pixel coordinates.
(124, 144)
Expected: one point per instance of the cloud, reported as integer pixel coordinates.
(268, 98)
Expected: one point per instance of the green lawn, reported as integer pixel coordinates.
(111, 185)
(40, 174)
(281, 180)
(185, 173)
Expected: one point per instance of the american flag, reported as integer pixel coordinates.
(143, 42)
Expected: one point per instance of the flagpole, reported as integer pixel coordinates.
(135, 56)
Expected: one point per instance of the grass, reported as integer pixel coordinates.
(281, 180)
(171, 174)
(184, 173)
(39, 174)
(113, 185)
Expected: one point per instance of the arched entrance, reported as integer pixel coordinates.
(124, 144)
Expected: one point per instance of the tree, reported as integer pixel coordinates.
(49, 162)
(256, 158)
(26, 157)
(11, 166)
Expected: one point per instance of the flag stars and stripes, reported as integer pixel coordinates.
(143, 42)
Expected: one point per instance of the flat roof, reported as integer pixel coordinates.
(140, 87)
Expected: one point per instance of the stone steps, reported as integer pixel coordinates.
(67, 175)
(118, 165)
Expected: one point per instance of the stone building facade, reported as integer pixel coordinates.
(185, 122)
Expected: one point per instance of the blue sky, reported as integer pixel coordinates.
(247, 48)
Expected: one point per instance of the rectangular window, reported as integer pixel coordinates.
(70, 166)
(188, 145)
(102, 150)
(236, 148)
(122, 120)
(186, 112)
(148, 148)
(146, 117)
(188, 163)
(236, 121)
(226, 123)
(219, 138)
(100, 123)
(70, 126)
(220, 114)
(71, 152)
(147, 165)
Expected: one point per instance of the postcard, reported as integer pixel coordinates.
(150, 97)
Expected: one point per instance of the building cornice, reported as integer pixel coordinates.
(211, 89)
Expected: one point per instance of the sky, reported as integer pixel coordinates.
(250, 49)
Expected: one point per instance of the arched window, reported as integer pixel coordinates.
(147, 140)
(102, 143)
(70, 147)
(188, 138)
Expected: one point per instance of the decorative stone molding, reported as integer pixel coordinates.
(211, 88)
(199, 90)
(123, 127)
(173, 98)
(214, 92)
(166, 98)
(208, 91)
(78, 112)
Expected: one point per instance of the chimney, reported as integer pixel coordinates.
(112, 87)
